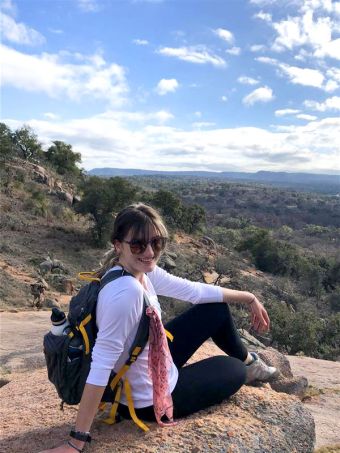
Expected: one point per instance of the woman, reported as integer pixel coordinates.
(139, 237)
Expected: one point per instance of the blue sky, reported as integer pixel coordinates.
(232, 85)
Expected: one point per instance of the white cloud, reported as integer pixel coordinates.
(8, 5)
(262, 94)
(161, 116)
(202, 124)
(297, 75)
(302, 30)
(327, 5)
(224, 34)
(247, 80)
(310, 28)
(303, 76)
(52, 74)
(19, 33)
(233, 51)
(140, 42)
(331, 85)
(103, 139)
(224, 99)
(305, 116)
(334, 73)
(284, 112)
(88, 6)
(263, 16)
(198, 114)
(51, 116)
(165, 86)
(257, 48)
(329, 49)
(332, 103)
(263, 2)
(194, 54)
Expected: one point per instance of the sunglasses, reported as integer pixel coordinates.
(138, 246)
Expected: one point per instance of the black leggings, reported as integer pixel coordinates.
(208, 381)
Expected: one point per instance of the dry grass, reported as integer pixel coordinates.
(329, 449)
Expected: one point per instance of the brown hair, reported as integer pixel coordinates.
(137, 219)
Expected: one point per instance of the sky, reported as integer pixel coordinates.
(218, 85)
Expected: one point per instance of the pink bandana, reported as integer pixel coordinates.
(160, 361)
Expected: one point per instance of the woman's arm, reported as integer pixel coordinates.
(166, 284)
(259, 316)
(88, 408)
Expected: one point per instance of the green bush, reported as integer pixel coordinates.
(226, 236)
(176, 214)
(38, 204)
(63, 159)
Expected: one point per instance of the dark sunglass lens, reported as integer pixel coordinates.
(158, 244)
(137, 247)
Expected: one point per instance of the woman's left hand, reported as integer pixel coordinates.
(259, 317)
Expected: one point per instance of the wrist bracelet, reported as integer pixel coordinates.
(253, 300)
(79, 435)
(80, 450)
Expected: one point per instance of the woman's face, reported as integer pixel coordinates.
(138, 263)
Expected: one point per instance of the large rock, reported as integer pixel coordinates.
(46, 266)
(250, 340)
(65, 196)
(255, 420)
(274, 358)
(41, 175)
(286, 382)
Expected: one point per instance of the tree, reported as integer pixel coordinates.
(63, 159)
(193, 218)
(101, 198)
(27, 143)
(176, 214)
(6, 142)
(170, 205)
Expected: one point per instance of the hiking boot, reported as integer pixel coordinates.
(260, 371)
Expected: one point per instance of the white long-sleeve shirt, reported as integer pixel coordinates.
(119, 310)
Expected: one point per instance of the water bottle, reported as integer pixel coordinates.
(59, 321)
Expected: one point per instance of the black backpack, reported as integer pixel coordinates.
(69, 375)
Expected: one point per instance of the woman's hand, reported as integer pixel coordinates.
(259, 316)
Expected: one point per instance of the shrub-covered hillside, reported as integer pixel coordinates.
(279, 244)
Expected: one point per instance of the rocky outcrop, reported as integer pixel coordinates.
(54, 266)
(41, 175)
(255, 420)
(167, 261)
(286, 382)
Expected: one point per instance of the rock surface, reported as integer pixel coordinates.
(324, 376)
(21, 350)
(255, 420)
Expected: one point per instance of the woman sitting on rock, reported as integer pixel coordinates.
(162, 388)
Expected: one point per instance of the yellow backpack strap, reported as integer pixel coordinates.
(88, 276)
(132, 411)
(82, 329)
(118, 376)
(111, 419)
(169, 335)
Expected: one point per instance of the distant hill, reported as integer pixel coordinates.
(303, 181)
